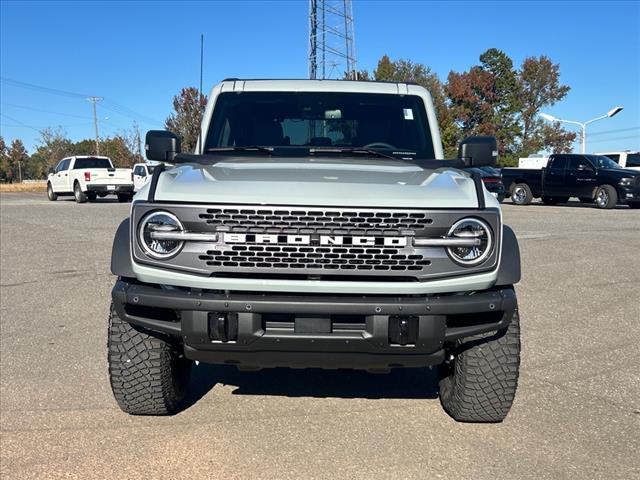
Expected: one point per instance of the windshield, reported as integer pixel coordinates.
(92, 162)
(394, 124)
(603, 162)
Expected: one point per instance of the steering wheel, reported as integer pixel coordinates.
(380, 145)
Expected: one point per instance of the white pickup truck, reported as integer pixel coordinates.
(87, 177)
(141, 175)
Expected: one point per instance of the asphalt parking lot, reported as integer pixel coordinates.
(576, 415)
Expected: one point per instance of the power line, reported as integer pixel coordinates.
(619, 130)
(44, 111)
(31, 86)
(629, 137)
(108, 104)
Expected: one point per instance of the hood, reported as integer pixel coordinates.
(318, 181)
(621, 172)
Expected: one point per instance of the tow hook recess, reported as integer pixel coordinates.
(223, 326)
(403, 330)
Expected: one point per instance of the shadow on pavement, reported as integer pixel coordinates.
(402, 383)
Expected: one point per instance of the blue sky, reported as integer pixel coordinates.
(137, 55)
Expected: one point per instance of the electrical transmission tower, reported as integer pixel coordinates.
(332, 51)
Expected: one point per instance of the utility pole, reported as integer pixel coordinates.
(93, 101)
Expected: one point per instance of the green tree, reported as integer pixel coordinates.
(17, 161)
(540, 87)
(407, 71)
(188, 108)
(4, 160)
(51, 147)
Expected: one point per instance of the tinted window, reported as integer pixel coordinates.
(389, 123)
(615, 158)
(601, 161)
(92, 162)
(633, 160)
(558, 163)
(579, 163)
(139, 170)
(63, 165)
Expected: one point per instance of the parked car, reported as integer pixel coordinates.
(312, 228)
(141, 175)
(591, 178)
(626, 159)
(492, 179)
(86, 177)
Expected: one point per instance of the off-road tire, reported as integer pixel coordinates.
(51, 195)
(480, 383)
(79, 195)
(124, 197)
(606, 197)
(521, 194)
(148, 375)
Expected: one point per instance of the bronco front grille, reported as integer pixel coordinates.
(310, 221)
(269, 241)
(328, 258)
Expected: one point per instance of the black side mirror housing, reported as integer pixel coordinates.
(162, 145)
(479, 151)
(51, 170)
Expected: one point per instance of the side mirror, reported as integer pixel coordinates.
(585, 168)
(161, 145)
(51, 171)
(479, 151)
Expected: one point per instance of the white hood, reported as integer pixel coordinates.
(318, 181)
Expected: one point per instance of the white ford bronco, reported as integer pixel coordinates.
(87, 177)
(316, 225)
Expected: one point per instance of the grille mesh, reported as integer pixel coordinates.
(326, 258)
(307, 221)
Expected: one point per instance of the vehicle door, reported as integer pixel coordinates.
(554, 177)
(60, 177)
(139, 177)
(581, 177)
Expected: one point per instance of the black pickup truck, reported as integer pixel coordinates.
(591, 178)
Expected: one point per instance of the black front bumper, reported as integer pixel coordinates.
(311, 330)
(100, 188)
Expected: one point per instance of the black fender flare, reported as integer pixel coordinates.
(509, 271)
(121, 251)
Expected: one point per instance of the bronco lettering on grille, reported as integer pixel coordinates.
(314, 240)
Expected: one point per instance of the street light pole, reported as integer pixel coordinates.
(583, 125)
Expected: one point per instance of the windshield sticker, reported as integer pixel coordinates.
(408, 113)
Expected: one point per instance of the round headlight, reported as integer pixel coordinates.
(150, 235)
(478, 233)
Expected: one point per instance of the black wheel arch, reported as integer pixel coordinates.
(121, 251)
(509, 271)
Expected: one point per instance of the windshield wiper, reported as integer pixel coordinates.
(240, 148)
(354, 150)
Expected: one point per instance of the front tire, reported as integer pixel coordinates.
(51, 195)
(521, 194)
(148, 375)
(606, 197)
(479, 385)
(79, 195)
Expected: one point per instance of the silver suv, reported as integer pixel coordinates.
(316, 225)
